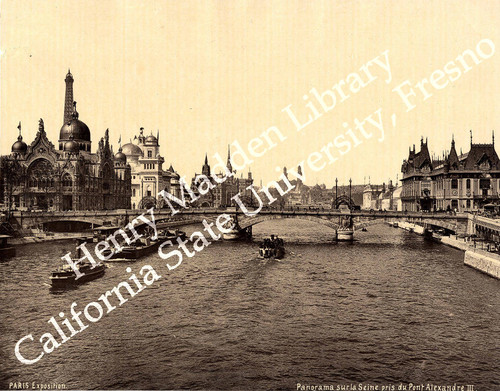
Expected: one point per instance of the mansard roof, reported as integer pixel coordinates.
(479, 153)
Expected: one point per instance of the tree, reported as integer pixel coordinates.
(11, 175)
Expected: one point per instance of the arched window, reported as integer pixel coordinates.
(467, 184)
(67, 181)
(150, 153)
(40, 173)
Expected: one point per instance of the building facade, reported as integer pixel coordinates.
(381, 197)
(40, 176)
(220, 196)
(148, 175)
(461, 183)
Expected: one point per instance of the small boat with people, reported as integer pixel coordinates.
(65, 276)
(6, 249)
(272, 247)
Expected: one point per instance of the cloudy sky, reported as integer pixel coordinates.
(207, 73)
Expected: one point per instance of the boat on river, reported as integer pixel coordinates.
(65, 276)
(273, 248)
(140, 248)
(171, 235)
(6, 250)
(103, 232)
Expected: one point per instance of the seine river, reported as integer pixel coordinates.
(389, 308)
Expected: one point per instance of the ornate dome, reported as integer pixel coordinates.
(121, 156)
(71, 145)
(75, 127)
(130, 149)
(19, 146)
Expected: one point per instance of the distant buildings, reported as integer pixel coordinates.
(382, 197)
(148, 175)
(40, 176)
(220, 196)
(464, 182)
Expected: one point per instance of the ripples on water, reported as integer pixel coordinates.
(389, 308)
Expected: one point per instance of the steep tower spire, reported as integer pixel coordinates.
(68, 98)
(471, 137)
(229, 166)
(206, 168)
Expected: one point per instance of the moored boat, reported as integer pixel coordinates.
(138, 249)
(272, 248)
(6, 250)
(171, 235)
(103, 232)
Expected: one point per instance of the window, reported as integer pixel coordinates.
(150, 153)
(454, 204)
(484, 183)
(133, 192)
(67, 181)
(467, 184)
(454, 183)
(468, 204)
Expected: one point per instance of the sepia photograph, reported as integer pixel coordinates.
(250, 195)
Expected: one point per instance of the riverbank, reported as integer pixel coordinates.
(48, 238)
(477, 258)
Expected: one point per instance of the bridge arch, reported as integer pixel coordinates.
(251, 221)
(147, 202)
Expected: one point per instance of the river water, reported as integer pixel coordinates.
(389, 308)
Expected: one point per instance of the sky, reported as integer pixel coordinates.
(207, 73)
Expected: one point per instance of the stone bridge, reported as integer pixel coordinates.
(331, 218)
(331, 222)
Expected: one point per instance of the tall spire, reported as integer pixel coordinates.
(206, 168)
(493, 137)
(106, 138)
(471, 137)
(68, 98)
(229, 166)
